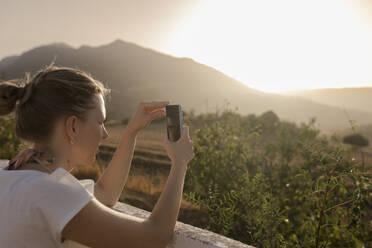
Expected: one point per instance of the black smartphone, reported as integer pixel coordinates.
(174, 121)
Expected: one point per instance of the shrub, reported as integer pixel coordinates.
(271, 183)
(356, 140)
(10, 144)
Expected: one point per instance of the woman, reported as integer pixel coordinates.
(61, 112)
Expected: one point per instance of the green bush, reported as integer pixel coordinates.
(10, 144)
(271, 183)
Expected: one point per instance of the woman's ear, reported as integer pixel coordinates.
(70, 126)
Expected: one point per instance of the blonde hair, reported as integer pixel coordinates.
(53, 93)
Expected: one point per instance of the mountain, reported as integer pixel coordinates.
(135, 74)
(7, 61)
(348, 98)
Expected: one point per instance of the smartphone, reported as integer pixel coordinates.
(174, 121)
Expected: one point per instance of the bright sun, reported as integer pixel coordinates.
(276, 46)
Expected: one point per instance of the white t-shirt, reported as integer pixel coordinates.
(35, 206)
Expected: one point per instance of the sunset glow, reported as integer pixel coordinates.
(276, 46)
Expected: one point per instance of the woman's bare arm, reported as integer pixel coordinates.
(114, 177)
(165, 213)
(99, 226)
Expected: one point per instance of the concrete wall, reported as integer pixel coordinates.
(187, 236)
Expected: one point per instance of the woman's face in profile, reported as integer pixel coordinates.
(92, 132)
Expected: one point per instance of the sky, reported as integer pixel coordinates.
(269, 45)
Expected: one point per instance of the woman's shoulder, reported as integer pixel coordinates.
(14, 180)
(40, 184)
(62, 180)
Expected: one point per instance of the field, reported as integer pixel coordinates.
(150, 139)
(149, 170)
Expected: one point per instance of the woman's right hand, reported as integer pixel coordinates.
(182, 149)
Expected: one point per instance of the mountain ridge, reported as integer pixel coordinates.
(139, 74)
(358, 98)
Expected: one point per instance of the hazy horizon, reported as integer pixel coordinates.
(269, 46)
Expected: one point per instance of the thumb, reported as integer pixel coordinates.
(185, 132)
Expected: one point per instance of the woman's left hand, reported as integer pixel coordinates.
(146, 112)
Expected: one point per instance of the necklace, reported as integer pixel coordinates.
(38, 156)
(45, 154)
(41, 163)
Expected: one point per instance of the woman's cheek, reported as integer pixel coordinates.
(89, 140)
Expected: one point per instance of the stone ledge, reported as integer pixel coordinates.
(185, 235)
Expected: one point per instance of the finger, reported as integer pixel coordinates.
(155, 105)
(185, 131)
(157, 114)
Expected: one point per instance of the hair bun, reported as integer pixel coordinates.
(24, 93)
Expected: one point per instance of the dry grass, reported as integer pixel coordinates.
(91, 172)
(149, 138)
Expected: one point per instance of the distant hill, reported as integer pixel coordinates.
(139, 74)
(348, 98)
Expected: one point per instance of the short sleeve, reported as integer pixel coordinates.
(57, 198)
